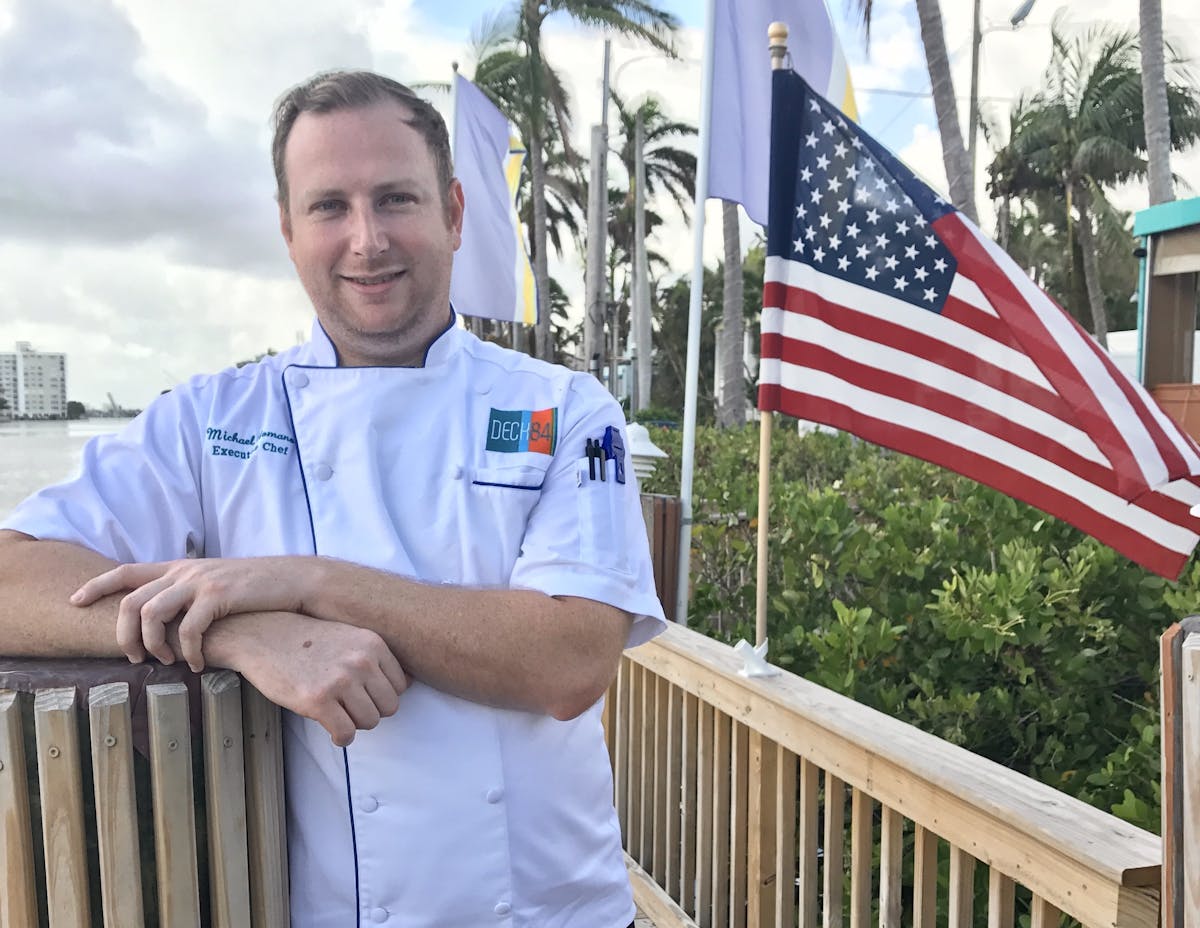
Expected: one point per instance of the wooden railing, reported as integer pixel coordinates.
(732, 797)
(186, 830)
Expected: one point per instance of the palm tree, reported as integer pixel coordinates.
(937, 61)
(635, 18)
(503, 74)
(1084, 133)
(1154, 102)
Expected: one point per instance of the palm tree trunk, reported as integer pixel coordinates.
(954, 153)
(1091, 266)
(732, 410)
(1154, 102)
(537, 183)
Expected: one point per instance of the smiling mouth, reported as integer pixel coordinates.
(374, 279)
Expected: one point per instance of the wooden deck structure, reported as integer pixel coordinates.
(744, 801)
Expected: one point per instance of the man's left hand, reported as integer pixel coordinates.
(202, 590)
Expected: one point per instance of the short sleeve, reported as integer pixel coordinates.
(136, 497)
(586, 537)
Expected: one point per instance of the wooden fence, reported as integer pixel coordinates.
(772, 801)
(95, 833)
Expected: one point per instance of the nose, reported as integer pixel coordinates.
(368, 237)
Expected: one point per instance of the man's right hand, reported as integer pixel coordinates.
(343, 677)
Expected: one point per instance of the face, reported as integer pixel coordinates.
(370, 233)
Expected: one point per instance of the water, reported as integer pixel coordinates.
(34, 454)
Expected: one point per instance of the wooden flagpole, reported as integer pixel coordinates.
(777, 35)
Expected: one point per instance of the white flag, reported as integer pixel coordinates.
(740, 136)
(492, 276)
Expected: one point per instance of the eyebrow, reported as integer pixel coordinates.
(326, 193)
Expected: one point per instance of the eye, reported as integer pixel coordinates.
(398, 199)
(326, 206)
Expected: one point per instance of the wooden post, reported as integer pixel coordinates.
(18, 902)
(1173, 779)
(111, 728)
(225, 795)
(174, 806)
(1190, 768)
(266, 825)
(63, 835)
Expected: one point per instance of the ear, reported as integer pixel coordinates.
(285, 228)
(456, 207)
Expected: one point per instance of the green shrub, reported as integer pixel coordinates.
(941, 602)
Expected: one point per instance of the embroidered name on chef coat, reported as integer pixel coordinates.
(224, 443)
(522, 430)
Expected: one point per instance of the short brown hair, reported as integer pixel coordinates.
(329, 91)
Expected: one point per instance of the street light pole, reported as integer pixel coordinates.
(977, 32)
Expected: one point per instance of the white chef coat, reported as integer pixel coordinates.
(449, 813)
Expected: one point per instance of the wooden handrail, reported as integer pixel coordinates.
(1073, 857)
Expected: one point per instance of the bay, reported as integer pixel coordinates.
(36, 454)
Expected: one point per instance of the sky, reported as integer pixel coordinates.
(138, 230)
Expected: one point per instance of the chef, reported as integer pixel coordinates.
(429, 549)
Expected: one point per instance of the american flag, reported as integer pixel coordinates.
(888, 314)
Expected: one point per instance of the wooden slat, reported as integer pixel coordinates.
(652, 900)
(1171, 780)
(760, 831)
(60, 773)
(739, 795)
(266, 834)
(1043, 915)
(806, 849)
(1090, 864)
(834, 875)
(862, 846)
(174, 806)
(674, 789)
(645, 820)
(634, 772)
(689, 818)
(1001, 900)
(662, 763)
(891, 862)
(1189, 673)
(722, 813)
(925, 878)
(225, 795)
(621, 756)
(111, 730)
(705, 807)
(962, 888)
(785, 845)
(18, 902)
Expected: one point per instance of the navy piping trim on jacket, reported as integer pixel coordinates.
(507, 486)
(345, 754)
(453, 318)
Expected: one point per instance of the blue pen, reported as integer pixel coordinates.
(614, 448)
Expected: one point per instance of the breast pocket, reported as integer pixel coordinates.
(500, 501)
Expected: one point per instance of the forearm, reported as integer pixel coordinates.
(512, 648)
(36, 619)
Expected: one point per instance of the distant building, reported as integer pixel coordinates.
(34, 383)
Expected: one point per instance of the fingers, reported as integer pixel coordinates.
(337, 721)
(196, 620)
(125, 577)
(131, 635)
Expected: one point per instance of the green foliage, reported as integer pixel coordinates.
(941, 602)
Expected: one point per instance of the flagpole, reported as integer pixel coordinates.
(692, 374)
(777, 36)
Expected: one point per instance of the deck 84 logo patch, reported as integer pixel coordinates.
(523, 430)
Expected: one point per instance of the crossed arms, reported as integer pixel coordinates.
(327, 639)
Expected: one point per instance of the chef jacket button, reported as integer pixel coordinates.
(322, 471)
(299, 379)
(368, 804)
(379, 916)
(502, 909)
(494, 795)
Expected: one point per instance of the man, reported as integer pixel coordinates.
(394, 529)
